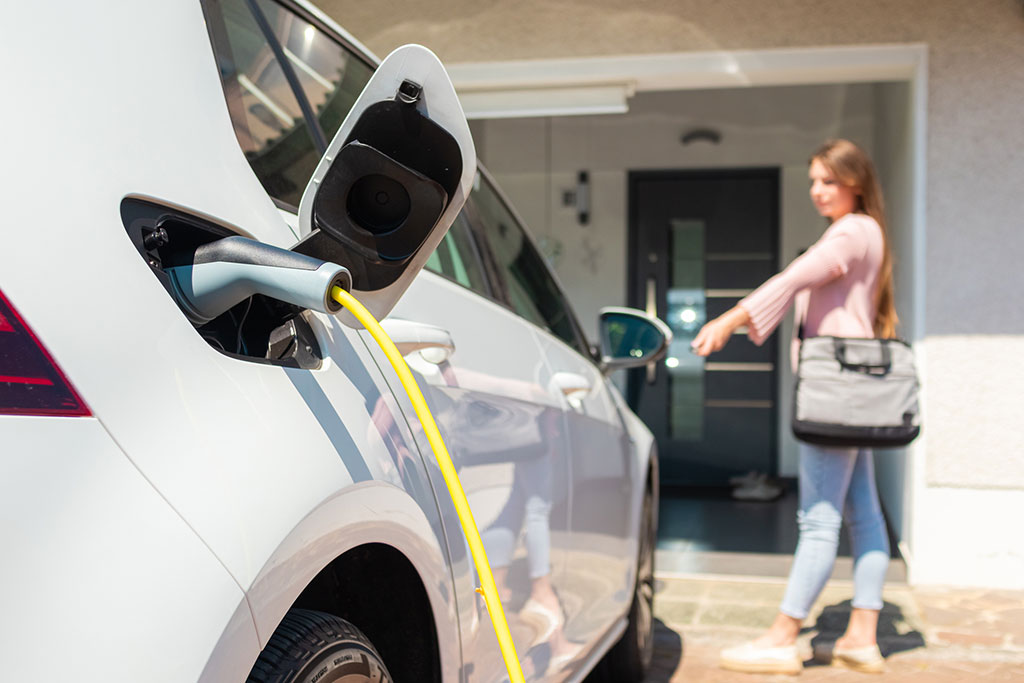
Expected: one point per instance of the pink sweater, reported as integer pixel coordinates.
(833, 285)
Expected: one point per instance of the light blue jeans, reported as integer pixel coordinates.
(832, 479)
(529, 502)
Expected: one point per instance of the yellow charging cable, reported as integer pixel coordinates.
(451, 478)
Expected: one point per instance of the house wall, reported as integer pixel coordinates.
(967, 471)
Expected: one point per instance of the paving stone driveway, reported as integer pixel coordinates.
(926, 634)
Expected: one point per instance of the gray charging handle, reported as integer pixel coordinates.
(230, 270)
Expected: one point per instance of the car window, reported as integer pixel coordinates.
(530, 289)
(456, 258)
(267, 116)
(331, 77)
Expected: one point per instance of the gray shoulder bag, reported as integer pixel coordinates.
(856, 392)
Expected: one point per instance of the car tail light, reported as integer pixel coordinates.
(30, 381)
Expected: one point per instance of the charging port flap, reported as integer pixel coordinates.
(392, 181)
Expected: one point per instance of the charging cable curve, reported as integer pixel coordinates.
(451, 478)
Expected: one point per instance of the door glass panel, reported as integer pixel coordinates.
(686, 314)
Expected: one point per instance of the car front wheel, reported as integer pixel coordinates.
(310, 647)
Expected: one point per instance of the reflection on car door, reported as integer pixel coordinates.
(597, 587)
(504, 429)
(601, 561)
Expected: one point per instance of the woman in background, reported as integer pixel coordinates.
(842, 286)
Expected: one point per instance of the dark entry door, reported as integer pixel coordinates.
(699, 242)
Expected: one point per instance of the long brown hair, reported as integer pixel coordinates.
(852, 166)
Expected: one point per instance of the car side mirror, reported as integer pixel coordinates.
(392, 180)
(630, 338)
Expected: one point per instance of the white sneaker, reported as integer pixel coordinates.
(762, 660)
(761, 490)
(744, 479)
(543, 619)
(866, 659)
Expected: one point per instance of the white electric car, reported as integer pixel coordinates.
(232, 485)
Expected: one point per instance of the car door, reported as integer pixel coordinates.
(488, 388)
(597, 587)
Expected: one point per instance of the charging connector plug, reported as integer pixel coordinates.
(230, 270)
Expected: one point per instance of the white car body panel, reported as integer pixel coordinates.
(92, 553)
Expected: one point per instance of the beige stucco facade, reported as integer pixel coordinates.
(960, 490)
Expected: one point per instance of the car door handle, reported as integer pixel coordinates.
(572, 386)
(434, 343)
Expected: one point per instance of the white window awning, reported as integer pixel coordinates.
(603, 85)
(506, 103)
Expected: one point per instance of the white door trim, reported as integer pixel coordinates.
(697, 70)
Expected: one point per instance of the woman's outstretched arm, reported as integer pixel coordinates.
(762, 310)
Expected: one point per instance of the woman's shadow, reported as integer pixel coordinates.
(668, 652)
(895, 634)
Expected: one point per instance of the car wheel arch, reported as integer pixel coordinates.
(373, 540)
(377, 588)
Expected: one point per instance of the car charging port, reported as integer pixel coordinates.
(258, 327)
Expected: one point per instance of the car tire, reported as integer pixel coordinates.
(314, 646)
(630, 658)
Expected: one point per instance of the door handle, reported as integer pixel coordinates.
(572, 386)
(651, 308)
(434, 343)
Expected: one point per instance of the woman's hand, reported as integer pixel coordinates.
(714, 335)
